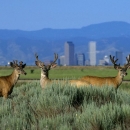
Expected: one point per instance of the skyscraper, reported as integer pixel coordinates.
(81, 59)
(92, 53)
(119, 57)
(75, 59)
(69, 53)
(62, 60)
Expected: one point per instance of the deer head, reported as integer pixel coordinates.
(18, 68)
(122, 70)
(46, 68)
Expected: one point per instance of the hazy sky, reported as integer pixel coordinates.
(60, 14)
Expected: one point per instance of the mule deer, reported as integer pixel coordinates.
(7, 82)
(110, 81)
(45, 76)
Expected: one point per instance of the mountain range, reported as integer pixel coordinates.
(22, 45)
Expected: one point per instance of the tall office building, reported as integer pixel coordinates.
(81, 59)
(62, 60)
(75, 59)
(119, 56)
(69, 53)
(92, 53)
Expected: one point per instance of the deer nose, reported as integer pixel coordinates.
(25, 73)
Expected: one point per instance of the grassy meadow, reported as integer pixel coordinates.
(66, 72)
(62, 107)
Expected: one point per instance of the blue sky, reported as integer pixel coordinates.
(60, 14)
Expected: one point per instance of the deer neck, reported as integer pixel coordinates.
(14, 77)
(44, 79)
(119, 78)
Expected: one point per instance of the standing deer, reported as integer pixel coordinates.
(7, 82)
(45, 76)
(109, 81)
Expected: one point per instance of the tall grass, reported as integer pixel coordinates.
(61, 107)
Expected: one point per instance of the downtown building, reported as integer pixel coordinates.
(62, 60)
(92, 53)
(81, 59)
(69, 53)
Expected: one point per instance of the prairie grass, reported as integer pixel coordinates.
(61, 107)
(66, 72)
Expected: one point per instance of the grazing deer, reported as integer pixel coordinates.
(7, 82)
(109, 81)
(45, 76)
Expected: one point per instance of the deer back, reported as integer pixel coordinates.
(109, 81)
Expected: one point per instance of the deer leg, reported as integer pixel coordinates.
(5, 95)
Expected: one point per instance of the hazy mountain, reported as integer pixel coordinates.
(22, 45)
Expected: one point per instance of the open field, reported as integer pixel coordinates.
(61, 107)
(66, 72)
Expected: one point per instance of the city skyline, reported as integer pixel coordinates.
(79, 59)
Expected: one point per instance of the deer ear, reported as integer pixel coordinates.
(36, 62)
(53, 65)
(23, 65)
(117, 67)
(11, 64)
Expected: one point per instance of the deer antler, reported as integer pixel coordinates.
(128, 62)
(21, 64)
(15, 63)
(36, 56)
(55, 59)
(38, 62)
(114, 62)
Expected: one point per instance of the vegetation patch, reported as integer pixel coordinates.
(62, 107)
(66, 72)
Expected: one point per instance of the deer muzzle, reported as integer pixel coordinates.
(25, 73)
(124, 74)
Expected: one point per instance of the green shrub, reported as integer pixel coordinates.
(62, 107)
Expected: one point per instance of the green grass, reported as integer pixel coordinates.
(78, 72)
(66, 72)
(61, 107)
(35, 75)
